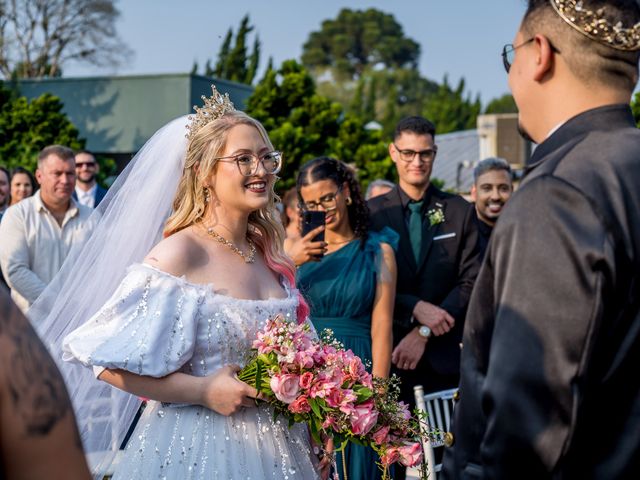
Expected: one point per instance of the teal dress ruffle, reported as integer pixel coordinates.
(340, 290)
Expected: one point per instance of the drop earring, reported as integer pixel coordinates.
(207, 195)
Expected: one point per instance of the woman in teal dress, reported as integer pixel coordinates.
(351, 288)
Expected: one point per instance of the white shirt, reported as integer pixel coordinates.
(33, 246)
(87, 198)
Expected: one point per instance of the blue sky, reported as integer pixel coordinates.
(461, 38)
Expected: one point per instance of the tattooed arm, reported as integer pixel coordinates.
(38, 433)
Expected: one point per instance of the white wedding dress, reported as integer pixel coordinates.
(156, 324)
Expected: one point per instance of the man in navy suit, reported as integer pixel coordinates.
(87, 191)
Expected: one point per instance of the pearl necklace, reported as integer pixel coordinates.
(248, 258)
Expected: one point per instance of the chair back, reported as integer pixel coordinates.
(439, 409)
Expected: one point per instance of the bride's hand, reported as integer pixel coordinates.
(224, 393)
(326, 459)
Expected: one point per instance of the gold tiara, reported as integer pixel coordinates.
(214, 107)
(595, 26)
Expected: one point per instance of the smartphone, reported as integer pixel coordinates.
(312, 219)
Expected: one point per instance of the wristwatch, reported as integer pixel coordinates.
(424, 331)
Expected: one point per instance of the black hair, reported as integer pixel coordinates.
(326, 168)
(417, 125)
(490, 164)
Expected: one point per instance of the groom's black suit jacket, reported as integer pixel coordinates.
(444, 275)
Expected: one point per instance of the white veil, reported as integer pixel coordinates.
(125, 226)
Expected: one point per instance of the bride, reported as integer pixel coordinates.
(176, 327)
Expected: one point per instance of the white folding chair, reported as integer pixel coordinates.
(439, 409)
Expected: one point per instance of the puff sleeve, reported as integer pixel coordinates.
(148, 327)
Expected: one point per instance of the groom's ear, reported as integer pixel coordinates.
(545, 58)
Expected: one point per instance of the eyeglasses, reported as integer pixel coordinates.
(328, 202)
(248, 162)
(79, 165)
(426, 156)
(509, 52)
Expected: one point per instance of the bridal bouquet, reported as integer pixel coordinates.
(316, 382)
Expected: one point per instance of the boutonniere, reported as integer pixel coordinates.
(436, 216)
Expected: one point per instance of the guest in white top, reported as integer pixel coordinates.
(87, 191)
(38, 232)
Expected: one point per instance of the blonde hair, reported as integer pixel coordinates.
(189, 206)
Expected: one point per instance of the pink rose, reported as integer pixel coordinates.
(363, 418)
(390, 456)
(300, 405)
(381, 436)
(306, 379)
(285, 387)
(410, 455)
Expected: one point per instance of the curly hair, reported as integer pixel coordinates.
(326, 168)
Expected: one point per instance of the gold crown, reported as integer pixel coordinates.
(595, 26)
(214, 107)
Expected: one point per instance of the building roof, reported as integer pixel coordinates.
(119, 114)
(458, 152)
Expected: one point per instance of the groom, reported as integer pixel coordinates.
(549, 383)
(438, 260)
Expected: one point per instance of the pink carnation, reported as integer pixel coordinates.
(285, 387)
(300, 405)
(306, 379)
(410, 455)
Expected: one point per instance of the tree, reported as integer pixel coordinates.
(503, 104)
(370, 106)
(363, 60)
(357, 41)
(356, 106)
(308, 125)
(223, 55)
(233, 63)
(450, 111)
(37, 38)
(26, 127)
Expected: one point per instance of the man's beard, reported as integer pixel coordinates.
(91, 179)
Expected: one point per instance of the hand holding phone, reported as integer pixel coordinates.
(311, 246)
(311, 220)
